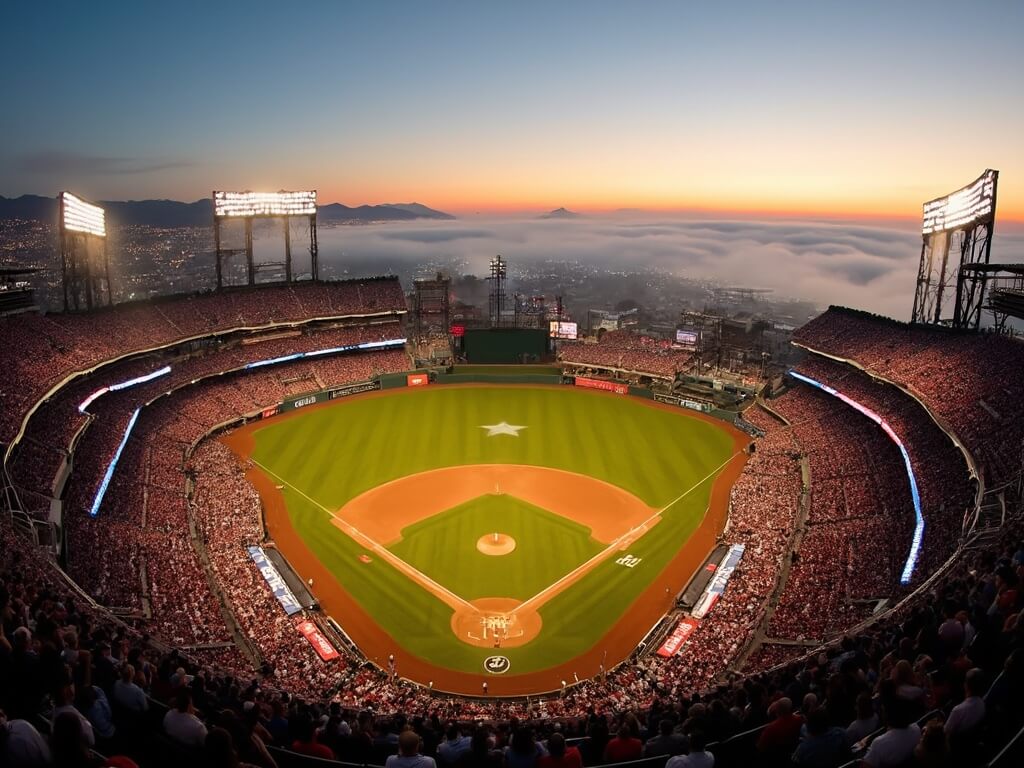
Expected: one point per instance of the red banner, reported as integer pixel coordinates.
(679, 636)
(607, 386)
(416, 380)
(316, 638)
(268, 412)
(458, 330)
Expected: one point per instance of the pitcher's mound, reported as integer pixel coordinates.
(496, 544)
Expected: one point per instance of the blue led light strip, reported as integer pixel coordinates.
(123, 385)
(915, 547)
(113, 464)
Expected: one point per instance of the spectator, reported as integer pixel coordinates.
(127, 694)
(783, 732)
(523, 750)
(824, 746)
(455, 744)
(559, 755)
(896, 745)
(409, 753)
(481, 752)
(966, 716)
(697, 757)
(70, 744)
(667, 742)
(867, 721)
(932, 751)
(22, 745)
(305, 742)
(624, 746)
(181, 723)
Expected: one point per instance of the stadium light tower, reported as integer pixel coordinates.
(499, 271)
(959, 222)
(84, 274)
(264, 205)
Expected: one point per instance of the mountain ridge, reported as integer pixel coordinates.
(175, 213)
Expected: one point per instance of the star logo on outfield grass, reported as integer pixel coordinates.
(502, 429)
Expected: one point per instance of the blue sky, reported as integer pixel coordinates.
(791, 107)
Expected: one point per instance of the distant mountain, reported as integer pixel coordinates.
(421, 211)
(336, 212)
(171, 213)
(560, 213)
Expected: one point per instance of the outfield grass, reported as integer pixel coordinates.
(331, 455)
(548, 546)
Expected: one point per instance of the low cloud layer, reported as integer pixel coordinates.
(77, 163)
(869, 267)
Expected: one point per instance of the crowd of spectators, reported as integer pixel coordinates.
(55, 424)
(52, 347)
(166, 556)
(943, 477)
(937, 683)
(136, 552)
(860, 519)
(627, 352)
(971, 381)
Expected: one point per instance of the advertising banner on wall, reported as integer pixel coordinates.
(353, 389)
(717, 585)
(607, 386)
(316, 638)
(274, 581)
(679, 636)
(417, 380)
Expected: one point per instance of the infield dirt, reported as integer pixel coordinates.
(376, 643)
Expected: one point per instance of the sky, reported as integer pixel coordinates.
(822, 109)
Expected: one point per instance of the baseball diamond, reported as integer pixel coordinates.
(550, 526)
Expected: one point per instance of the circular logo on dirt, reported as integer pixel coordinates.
(497, 665)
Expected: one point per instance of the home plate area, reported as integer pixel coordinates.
(496, 622)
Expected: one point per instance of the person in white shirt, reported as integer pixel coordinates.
(968, 714)
(127, 694)
(895, 746)
(181, 724)
(698, 757)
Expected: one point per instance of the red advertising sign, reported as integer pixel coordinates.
(607, 386)
(458, 330)
(316, 638)
(268, 412)
(679, 636)
(417, 380)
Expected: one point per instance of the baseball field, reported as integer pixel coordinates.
(548, 527)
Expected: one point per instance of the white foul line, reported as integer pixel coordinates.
(611, 547)
(385, 553)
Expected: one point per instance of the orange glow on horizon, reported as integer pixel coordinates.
(1007, 212)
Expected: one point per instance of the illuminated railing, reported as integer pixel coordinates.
(388, 344)
(122, 385)
(113, 464)
(915, 546)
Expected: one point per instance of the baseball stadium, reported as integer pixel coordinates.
(343, 506)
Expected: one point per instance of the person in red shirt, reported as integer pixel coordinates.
(305, 738)
(623, 747)
(559, 755)
(782, 734)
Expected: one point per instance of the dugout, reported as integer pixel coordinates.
(505, 345)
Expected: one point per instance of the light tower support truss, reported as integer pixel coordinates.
(247, 206)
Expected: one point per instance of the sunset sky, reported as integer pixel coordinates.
(788, 108)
